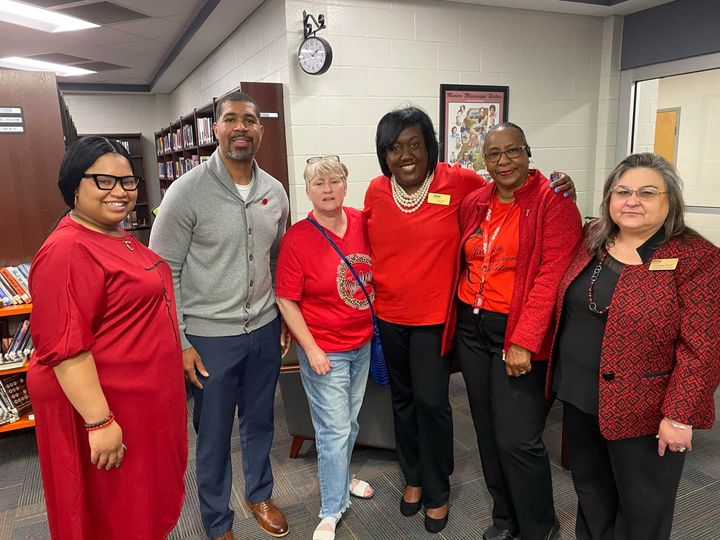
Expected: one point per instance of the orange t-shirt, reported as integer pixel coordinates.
(500, 277)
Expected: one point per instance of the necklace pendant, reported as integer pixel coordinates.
(128, 244)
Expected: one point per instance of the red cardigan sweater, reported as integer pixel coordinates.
(549, 234)
(661, 349)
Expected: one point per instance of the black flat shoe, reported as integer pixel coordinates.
(433, 525)
(408, 509)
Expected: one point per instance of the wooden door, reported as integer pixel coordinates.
(666, 133)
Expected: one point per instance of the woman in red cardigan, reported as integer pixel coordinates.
(636, 354)
(517, 240)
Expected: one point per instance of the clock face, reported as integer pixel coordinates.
(314, 55)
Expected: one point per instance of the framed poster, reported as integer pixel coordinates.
(466, 114)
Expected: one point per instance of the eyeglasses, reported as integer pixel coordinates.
(512, 153)
(334, 182)
(644, 194)
(323, 158)
(107, 182)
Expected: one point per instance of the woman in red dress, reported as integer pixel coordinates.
(106, 380)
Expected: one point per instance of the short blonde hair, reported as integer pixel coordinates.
(325, 167)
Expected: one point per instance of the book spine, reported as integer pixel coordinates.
(14, 285)
(4, 298)
(14, 350)
(7, 403)
(14, 298)
(20, 280)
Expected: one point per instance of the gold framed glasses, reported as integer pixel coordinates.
(316, 159)
(644, 193)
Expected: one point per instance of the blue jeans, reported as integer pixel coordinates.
(335, 400)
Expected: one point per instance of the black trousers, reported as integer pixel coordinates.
(509, 416)
(625, 490)
(419, 384)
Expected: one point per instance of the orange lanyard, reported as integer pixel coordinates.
(489, 241)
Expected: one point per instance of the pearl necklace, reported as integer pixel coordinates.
(410, 203)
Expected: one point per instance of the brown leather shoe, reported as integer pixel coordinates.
(270, 518)
(226, 536)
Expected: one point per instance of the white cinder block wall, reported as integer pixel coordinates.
(124, 113)
(255, 52)
(392, 53)
(561, 70)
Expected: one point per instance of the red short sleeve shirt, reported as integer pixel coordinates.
(311, 273)
(414, 255)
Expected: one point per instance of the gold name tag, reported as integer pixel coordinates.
(438, 198)
(663, 264)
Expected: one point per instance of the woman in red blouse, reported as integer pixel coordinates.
(329, 316)
(106, 379)
(412, 211)
(517, 240)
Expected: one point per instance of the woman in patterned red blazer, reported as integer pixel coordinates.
(636, 355)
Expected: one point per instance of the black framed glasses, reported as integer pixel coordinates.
(322, 158)
(107, 182)
(512, 153)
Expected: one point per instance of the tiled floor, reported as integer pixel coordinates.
(697, 516)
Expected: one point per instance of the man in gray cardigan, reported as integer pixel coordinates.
(219, 229)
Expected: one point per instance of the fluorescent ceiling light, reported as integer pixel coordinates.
(40, 19)
(29, 64)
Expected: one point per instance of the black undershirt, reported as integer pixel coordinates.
(579, 342)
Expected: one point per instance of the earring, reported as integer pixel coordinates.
(531, 163)
(75, 201)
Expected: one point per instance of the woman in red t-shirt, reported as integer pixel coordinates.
(328, 314)
(517, 240)
(106, 379)
(412, 211)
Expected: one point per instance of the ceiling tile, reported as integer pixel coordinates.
(103, 13)
(101, 66)
(47, 4)
(59, 58)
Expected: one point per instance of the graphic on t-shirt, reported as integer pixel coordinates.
(347, 285)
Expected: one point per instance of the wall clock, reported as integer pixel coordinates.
(315, 55)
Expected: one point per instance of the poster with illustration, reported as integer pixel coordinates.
(466, 114)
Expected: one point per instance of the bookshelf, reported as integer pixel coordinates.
(138, 222)
(184, 144)
(24, 421)
(197, 141)
(30, 203)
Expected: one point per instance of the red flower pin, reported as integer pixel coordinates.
(264, 201)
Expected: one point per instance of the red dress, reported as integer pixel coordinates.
(113, 297)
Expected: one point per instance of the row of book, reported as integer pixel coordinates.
(20, 348)
(184, 137)
(172, 170)
(188, 136)
(205, 133)
(126, 144)
(14, 398)
(14, 288)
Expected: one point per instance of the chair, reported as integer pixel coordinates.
(377, 428)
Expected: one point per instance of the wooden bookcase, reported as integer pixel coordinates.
(24, 422)
(30, 202)
(138, 222)
(196, 141)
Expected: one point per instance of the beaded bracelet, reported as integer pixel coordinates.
(101, 424)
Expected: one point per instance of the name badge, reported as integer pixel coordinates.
(438, 198)
(663, 264)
